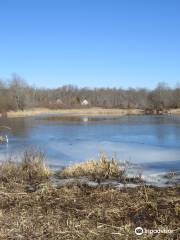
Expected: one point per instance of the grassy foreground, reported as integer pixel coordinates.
(32, 208)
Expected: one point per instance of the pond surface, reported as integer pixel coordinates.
(152, 142)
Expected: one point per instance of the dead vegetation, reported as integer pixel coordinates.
(30, 170)
(101, 170)
(78, 211)
(81, 212)
(97, 170)
(75, 112)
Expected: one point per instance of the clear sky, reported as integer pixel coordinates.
(94, 43)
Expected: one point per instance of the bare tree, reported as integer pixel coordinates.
(18, 95)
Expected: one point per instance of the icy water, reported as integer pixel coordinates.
(151, 142)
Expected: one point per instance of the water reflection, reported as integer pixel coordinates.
(19, 126)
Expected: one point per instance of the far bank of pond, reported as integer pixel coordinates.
(90, 111)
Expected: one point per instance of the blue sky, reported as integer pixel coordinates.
(94, 43)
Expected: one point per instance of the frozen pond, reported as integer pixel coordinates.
(151, 142)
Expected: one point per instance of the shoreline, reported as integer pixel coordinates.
(74, 112)
(103, 171)
(94, 111)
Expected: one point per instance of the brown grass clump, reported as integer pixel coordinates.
(100, 169)
(30, 169)
(33, 166)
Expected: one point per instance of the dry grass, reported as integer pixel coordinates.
(175, 111)
(94, 111)
(31, 169)
(80, 212)
(77, 211)
(98, 170)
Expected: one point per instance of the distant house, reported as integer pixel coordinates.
(85, 102)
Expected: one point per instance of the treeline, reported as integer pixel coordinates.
(16, 94)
